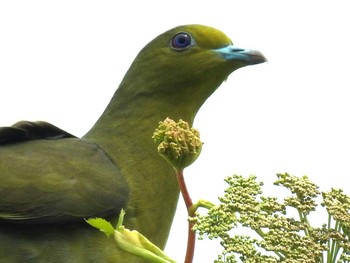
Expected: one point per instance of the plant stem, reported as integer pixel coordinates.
(191, 239)
(303, 219)
(329, 252)
(335, 247)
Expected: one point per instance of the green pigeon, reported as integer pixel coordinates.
(50, 180)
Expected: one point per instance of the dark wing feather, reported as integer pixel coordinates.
(27, 131)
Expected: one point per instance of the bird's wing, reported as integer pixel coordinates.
(58, 180)
(26, 131)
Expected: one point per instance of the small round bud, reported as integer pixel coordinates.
(179, 144)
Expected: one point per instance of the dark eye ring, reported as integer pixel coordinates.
(181, 41)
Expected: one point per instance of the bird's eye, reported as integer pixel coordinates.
(181, 41)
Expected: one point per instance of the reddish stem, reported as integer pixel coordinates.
(191, 239)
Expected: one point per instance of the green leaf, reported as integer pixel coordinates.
(131, 241)
(101, 224)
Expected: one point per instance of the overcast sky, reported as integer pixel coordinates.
(61, 61)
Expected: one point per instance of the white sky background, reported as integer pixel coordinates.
(61, 61)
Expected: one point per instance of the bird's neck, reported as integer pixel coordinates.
(124, 132)
(133, 117)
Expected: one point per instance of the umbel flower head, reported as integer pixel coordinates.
(177, 142)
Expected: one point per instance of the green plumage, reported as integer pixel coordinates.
(50, 181)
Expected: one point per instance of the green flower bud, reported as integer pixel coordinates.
(179, 144)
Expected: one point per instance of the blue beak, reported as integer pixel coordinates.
(247, 56)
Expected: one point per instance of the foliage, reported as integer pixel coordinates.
(279, 237)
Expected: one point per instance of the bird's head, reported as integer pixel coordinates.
(185, 65)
